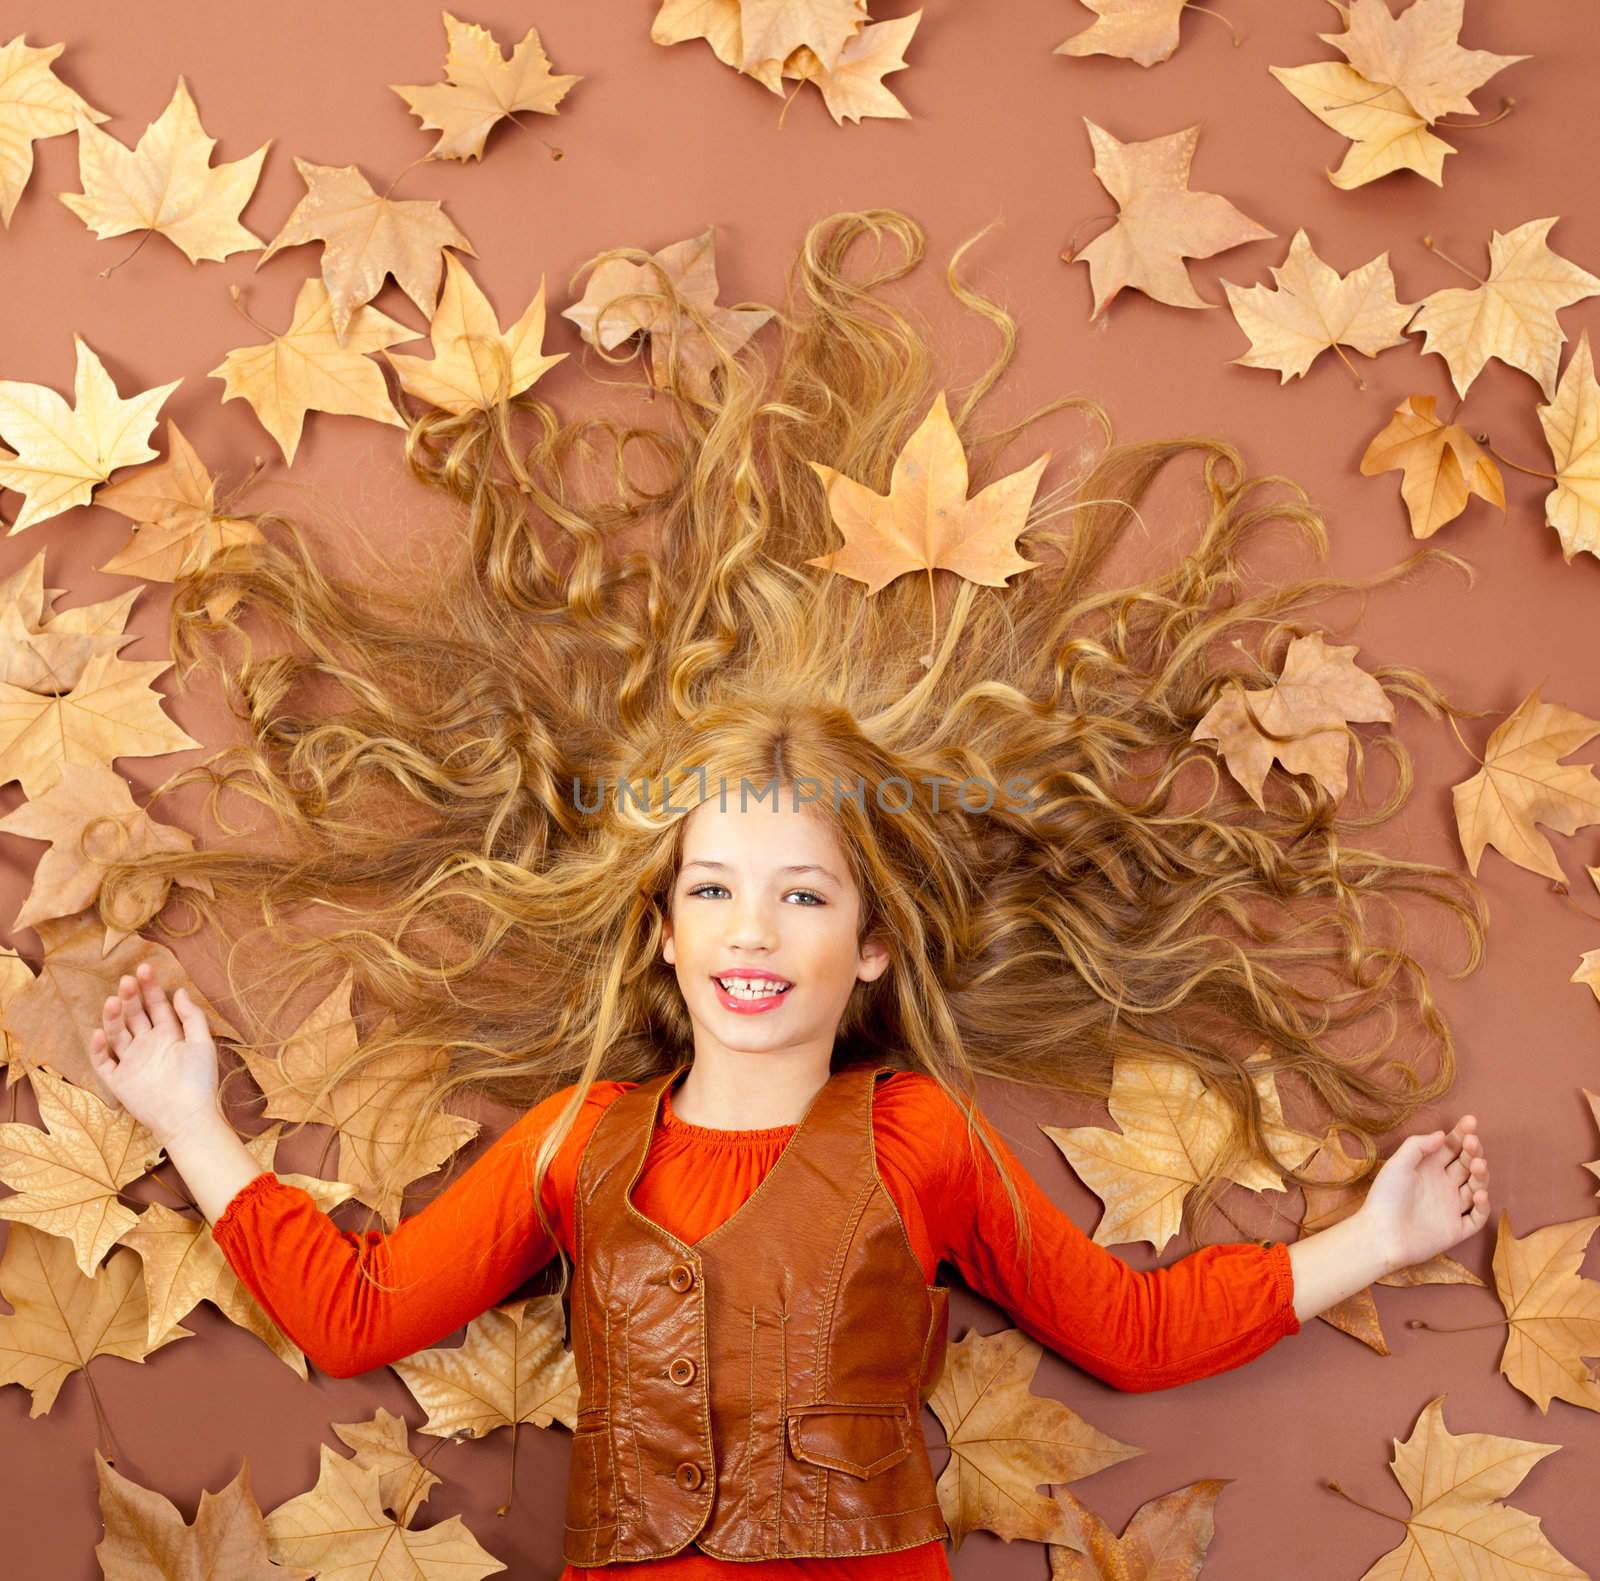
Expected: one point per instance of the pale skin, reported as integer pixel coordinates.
(754, 1071)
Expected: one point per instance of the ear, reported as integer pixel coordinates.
(874, 958)
(668, 952)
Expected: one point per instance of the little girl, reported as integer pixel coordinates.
(743, 998)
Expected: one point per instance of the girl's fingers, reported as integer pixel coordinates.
(113, 1024)
(132, 1005)
(160, 1007)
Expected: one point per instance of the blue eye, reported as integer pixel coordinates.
(701, 888)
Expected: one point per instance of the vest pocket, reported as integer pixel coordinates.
(860, 1438)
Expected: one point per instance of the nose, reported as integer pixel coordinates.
(752, 927)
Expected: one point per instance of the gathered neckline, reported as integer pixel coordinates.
(670, 1121)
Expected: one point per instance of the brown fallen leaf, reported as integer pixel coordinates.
(34, 104)
(63, 451)
(1552, 1312)
(1512, 314)
(926, 522)
(1441, 465)
(167, 184)
(179, 527)
(1319, 694)
(67, 1177)
(370, 1110)
(340, 1530)
(483, 89)
(1571, 424)
(147, 1538)
(307, 368)
(51, 658)
(61, 1319)
(513, 1367)
(1141, 30)
(382, 1444)
(1456, 1526)
(50, 1021)
(1166, 1537)
(853, 86)
(1522, 784)
(1314, 308)
(1173, 1131)
(1160, 222)
(65, 882)
(691, 265)
(474, 365)
(1403, 73)
(366, 237)
(1005, 1441)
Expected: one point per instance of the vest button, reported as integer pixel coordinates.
(687, 1475)
(680, 1277)
(681, 1370)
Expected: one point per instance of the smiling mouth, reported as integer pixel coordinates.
(771, 990)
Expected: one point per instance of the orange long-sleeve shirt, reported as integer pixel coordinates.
(479, 1240)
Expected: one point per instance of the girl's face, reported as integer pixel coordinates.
(766, 888)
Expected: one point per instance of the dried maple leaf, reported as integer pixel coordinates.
(382, 1444)
(1521, 784)
(926, 522)
(68, 1176)
(1571, 424)
(147, 1538)
(853, 86)
(1314, 308)
(1404, 73)
(340, 1530)
(51, 1020)
(484, 88)
(34, 104)
(474, 365)
(113, 712)
(1441, 462)
(1593, 1097)
(52, 657)
(1173, 1131)
(183, 1265)
(1552, 1311)
(1141, 30)
(167, 184)
(1160, 222)
(1456, 1527)
(65, 882)
(772, 30)
(512, 1367)
(370, 1110)
(62, 451)
(1512, 314)
(691, 265)
(61, 1319)
(1005, 1440)
(365, 237)
(307, 368)
(1320, 692)
(1167, 1536)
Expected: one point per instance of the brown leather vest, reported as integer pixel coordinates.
(760, 1391)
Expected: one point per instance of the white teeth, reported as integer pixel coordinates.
(743, 990)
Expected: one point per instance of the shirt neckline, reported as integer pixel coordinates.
(718, 1134)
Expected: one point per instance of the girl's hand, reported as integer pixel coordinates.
(163, 1074)
(1430, 1194)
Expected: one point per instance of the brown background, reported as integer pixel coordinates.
(657, 144)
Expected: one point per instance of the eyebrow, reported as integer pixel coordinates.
(798, 867)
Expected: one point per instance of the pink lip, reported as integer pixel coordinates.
(749, 1007)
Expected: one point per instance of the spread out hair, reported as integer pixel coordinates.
(418, 744)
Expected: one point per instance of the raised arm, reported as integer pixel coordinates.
(1213, 1310)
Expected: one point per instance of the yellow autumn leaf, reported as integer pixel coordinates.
(1441, 465)
(63, 451)
(34, 104)
(307, 368)
(483, 88)
(1552, 1312)
(474, 365)
(167, 184)
(1141, 30)
(1315, 307)
(1571, 424)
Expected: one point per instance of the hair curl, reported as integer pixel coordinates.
(510, 942)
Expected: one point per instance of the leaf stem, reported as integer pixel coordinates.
(1355, 372)
(106, 274)
(1428, 242)
(1466, 1328)
(1533, 472)
(1191, 6)
(1475, 126)
(1372, 1508)
(1070, 251)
